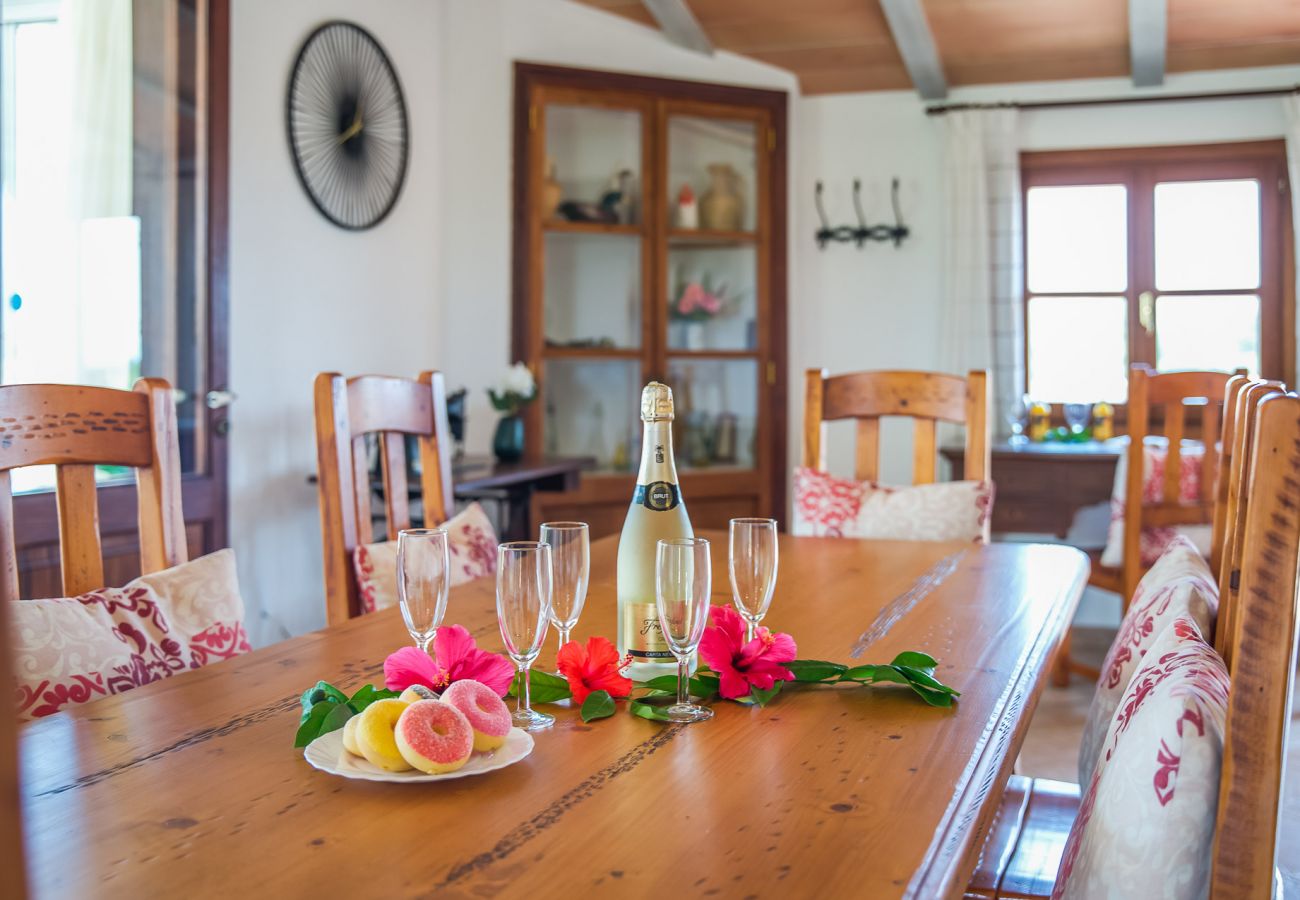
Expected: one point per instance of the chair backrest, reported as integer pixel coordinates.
(1173, 392)
(1236, 472)
(1227, 450)
(347, 410)
(75, 428)
(1263, 638)
(926, 397)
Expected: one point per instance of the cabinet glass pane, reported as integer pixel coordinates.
(712, 301)
(1077, 238)
(1207, 235)
(1078, 349)
(592, 409)
(593, 165)
(717, 160)
(716, 405)
(1207, 333)
(592, 290)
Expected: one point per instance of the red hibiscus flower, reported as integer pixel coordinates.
(455, 658)
(593, 668)
(741, 665)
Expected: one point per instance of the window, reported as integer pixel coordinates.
(1174, 257)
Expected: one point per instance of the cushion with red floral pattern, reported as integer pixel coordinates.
(471, 540)
(1179, 584)
(1146, 823)
(75, 649)
(1153, 540)
(826, 506)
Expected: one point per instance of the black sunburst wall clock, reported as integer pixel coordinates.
(347, 125)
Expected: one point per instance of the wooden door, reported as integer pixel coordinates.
(176, 209)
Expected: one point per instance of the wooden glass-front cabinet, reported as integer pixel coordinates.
(649, 243)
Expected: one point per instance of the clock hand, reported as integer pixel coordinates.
(352, 130)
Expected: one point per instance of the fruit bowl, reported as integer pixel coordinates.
(327, 754)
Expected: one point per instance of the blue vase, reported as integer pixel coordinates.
(508, 442)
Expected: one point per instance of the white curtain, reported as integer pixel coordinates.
(1291, 109)
(984, 266)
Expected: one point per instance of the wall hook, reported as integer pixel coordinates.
(843, 234)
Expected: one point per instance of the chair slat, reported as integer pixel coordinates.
(1231, 395)
(1263, 638)
(1210, 459)
(361, 489)
(867, 451)
(78, 509)
(397, 508)
(8, 542)
(161, 519)
(923, 451)
(436, 451)
(814, 429)
(1175, 420)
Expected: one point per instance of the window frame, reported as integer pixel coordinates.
(1139, 169)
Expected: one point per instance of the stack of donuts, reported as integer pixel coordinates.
(420, 730)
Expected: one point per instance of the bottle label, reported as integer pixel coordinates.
(642, 635)
(658, 496)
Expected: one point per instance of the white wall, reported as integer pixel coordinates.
(306, 296)
(880, 307)
(430, 286)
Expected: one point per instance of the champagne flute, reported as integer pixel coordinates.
(571, 558)
(423, 577)
(524, 586)
(752, 567)
(683, 580)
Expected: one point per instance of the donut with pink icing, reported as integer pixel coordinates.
(486, 712)
(434, 737)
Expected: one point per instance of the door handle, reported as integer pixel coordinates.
(1147, 312)
(219, 399)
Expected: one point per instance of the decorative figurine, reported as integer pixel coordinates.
(688, 213)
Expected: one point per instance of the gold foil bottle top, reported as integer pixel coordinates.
(656, 403)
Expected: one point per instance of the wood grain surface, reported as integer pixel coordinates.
(192, 784)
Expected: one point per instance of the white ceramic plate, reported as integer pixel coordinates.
(327, 754)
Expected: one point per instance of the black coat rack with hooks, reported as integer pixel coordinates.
(843, 234)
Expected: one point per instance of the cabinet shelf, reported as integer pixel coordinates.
(703, 238)
(566, 227)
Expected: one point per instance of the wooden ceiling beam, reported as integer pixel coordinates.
(915, 42)
(679, 24)
(1147, 40)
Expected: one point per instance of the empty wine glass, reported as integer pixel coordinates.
(571, 559)
(423, 569)
(1017, 417)
(524, 587)
(1077, 416)
(683, 580)
(752, 566)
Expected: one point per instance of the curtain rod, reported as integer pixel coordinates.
(1112, 101)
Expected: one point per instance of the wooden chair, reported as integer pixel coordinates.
(926, 397)
(12, 859)
(1026, 838)
(347, 410)
(76, 428)
(1227, 451)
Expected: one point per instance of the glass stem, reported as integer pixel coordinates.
(424, 642)
(564, 636)
(749, 630)
(525, 703)
(683, 681)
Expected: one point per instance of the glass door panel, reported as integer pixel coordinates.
(593, 166)
(591, 409)
(1078, 349)
(712, 297)
(592, 290)
(1208, 333)
(715, 162)
(1077, 240)
(716, 404)
(1207, 235)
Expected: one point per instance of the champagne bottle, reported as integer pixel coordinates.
(657, 513)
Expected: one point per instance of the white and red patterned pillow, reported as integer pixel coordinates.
(471, 540)
(826, 506)
(1152, 541)
(1146, 823)
(1179, 584)
(75, 649)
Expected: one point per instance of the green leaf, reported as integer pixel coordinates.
(311, 725)
(915, 660)
(318, 693)
(367, 695)
(598, 705)
(336, 718)
(917, 676)
(702, 686)
(662, 683)
(762, 697)
(934, 698)
(815, 670)
(705, 686)
(649, 711)
(543, 687)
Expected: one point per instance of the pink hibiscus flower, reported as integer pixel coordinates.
(740, 665)
(455, 658)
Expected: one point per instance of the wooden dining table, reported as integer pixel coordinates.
(192, 787)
